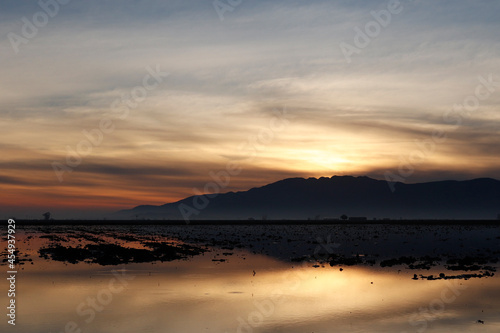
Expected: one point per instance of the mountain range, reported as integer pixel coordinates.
(329, 198)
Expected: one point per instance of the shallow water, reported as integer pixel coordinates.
(248, 292)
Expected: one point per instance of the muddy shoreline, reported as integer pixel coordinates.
(458, 251)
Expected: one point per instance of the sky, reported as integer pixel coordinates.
(106, 105)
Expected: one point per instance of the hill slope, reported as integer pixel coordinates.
(299, 198)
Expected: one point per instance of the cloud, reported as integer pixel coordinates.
(225, 79)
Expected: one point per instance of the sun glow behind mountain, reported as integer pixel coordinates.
(177, 94)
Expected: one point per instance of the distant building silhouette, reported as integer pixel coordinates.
(358, 218)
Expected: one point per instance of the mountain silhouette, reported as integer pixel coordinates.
(323, 198)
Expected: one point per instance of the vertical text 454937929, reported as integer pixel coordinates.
(11, 271)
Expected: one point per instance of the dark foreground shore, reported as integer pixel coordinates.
(428, 249)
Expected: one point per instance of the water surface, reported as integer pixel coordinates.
(256, 283)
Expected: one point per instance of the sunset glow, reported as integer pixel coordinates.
(109, 106)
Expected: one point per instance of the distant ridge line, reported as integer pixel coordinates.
(323, 198)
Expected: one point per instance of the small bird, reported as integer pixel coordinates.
(254, 273)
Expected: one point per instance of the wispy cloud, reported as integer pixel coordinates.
(225, 80)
